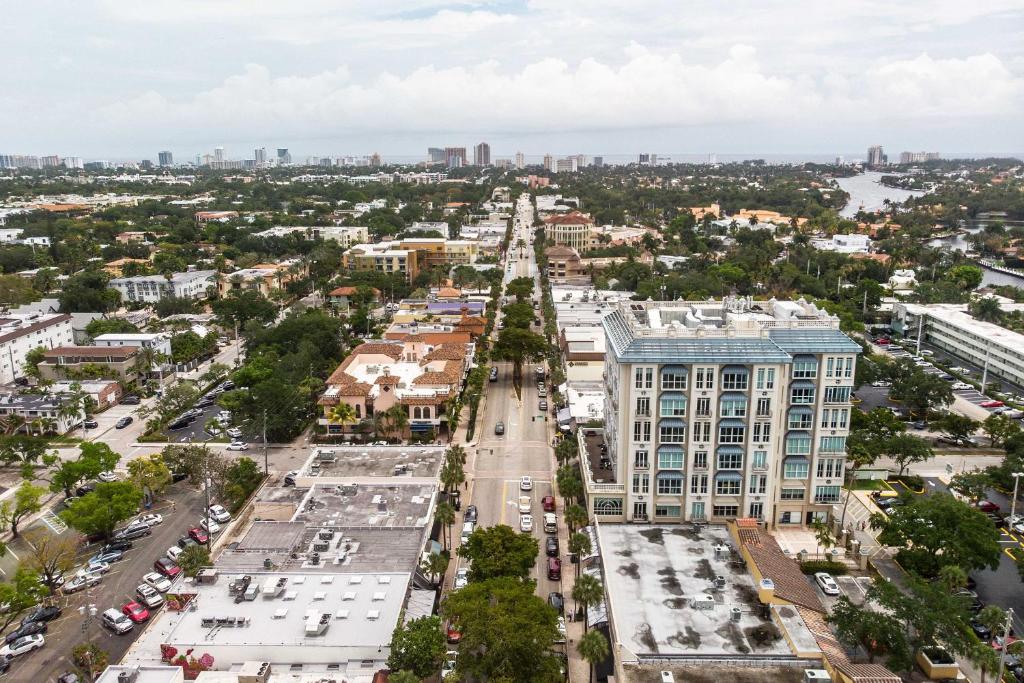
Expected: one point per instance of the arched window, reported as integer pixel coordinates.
(359, 410)
(416, 413)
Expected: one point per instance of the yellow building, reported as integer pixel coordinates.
(410, 256)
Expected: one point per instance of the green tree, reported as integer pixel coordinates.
(521, 288)
(579, 546)
(518, 346)
(986, 309)
(91, 658)
(403, 676)
(444, 514)
(27, 501)
(499, 551)
(93, 457)
(879, 633)
(452, 475)
(342, 414)
(972, 485)
(593, 647)
(100, 511)
(999, 428)
(175, 400)
(518, 315)
(575, 517)
(957, 427)
(587, 592)
(985, 657)
(967, 277)
(823, 535)
(507, 631)
(87, 292)
(417, 646)
(32, 360)
(149, 473)
(241, 306)
(568, 481)
(907, 449)
(434, 566)
(933, 531)
(51, 556)
(194, 558)
(109, 326)
(241, 479)
(16, 290)
(921, 391)
(17, 595)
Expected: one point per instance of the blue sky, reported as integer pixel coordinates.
(120, 78)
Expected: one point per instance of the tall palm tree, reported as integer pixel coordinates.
(398, 419)
(342, 414)
(587, 591)
(575, 517)
(434, 566)
(444, 514)
(593, 647)
(579, 545)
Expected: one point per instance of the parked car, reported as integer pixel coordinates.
(85, 489)
(122, 545)
(149, 596)
(157, 581)
(98, 567)
(186, 541)
(80, 583)
(987, 506)
(548, 503)
(29, 629)
(551, 546)
(130, 400)
(219, 514)
(134, 530)
(90, 424)
(198, 535)
(289, 478)
(452, 632)
(42, 613)
(983, 632)
(234, 433)
(827, 584)
(557, 601)
(525, 483)
(167, 567)
(237, 446)
(151, 519)
(525, 504)
(108, 557)
(107, 477)
(22, 646)
(174, 552)
(451, 659)
(560, 625)
(461, 578)
(992, 404)
(471, 513)
(116, 622)
(135, 611)
(554, 569)
(208, 525)
(525, 523)
(124, 422)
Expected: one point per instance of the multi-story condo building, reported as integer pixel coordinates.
(22, 332)
(410, 256)
(573, 229)
(716, 410)
(193, 284)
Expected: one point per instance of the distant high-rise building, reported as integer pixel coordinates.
(917, 157)
(644, 159)
(218, 154)
(454, 157)
(435, 154)
(375, 160)
(165, 158)
(876, 157)
(654, 160)
(283, 157)
(146, 164)
(259, 155)
(73, 162)
(599, 161)
(482, 155)
(51, 161)
(549, 162)
(567, 165)
(520, 160)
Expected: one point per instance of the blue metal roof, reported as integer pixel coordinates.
(728, 476)
(813, 340)
(670, 448)
(671, 422)
(795, 459)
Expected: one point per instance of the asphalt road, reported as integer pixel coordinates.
(181, 508)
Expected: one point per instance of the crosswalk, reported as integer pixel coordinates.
(55, 523)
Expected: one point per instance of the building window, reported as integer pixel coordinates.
(699, 483)
(703, 408)
(670, 485)
(667, 511)
(639, 510)
(760, 460)
(805, 368)
(734, 381)
(670, 459)
(673, 379)
(802, 395)
(795, 470)
(641, 431)
(826, 494)
(798, 445)
(830, 366)
(644, 378)
(731, 434)
(672, 434)
(758, 483)
(725, 510)
(800, 419)
(608, 507)
(640, 460)
(789, 518)
(641, 483)
(702, 431)
(757, 510)
(837, 395)
(832, 444)
(705, 378)
(700, 459)
(730, 461)
(791, 494)
(643, 406)
(764, 407)
(848, 368)
(829, 468)
(762, 432)
(727, 487)
(834, 418)
(734, 407)
(697, 510)
(673, 407)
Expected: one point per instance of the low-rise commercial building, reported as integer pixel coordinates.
(35, 413)
(79, 362)
(263, 278)
(564, 265)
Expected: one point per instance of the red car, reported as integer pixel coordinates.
(549, 503)
(136, 612)
(454, 635)
(882, 341)
(987, 506)
(991, 404)
(198, 535)
(167, 567)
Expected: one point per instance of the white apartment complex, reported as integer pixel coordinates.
(158, 341)
(149, 289)
(22, 332)
(717, 410)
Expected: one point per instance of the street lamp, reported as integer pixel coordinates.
(1013, 501)
(1006, 639)
(88, 612)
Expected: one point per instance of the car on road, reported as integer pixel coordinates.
(983, 632)
(219, 514)
(881, 383)
(556, 600)
(157, 581)
(452, 632)
(29, 629)
(551, 546)
(499, 428)
(124, 422)
(548, 503)
(42, 613)
(525, 504)
(554, 569)
(80, 583)
(198, 535)
(152, 519)
(167, 567)
(234, 433)
(135, 611)
(289, 478)
(494, 375)
(991, 404)
(133, 531)
(525, 483)
(471, 514)
(90, 424)
(85, 489)
(987, 506)
(461, 578)
(451, 659)
(107, 557)
(186, 542)
(827, 584)
(123, 546)
(542, 405)
(148, 596)
(526, 523)
(130, 400)
(174, 552)
(107, 477)
(209, 525)
(560, 625)
(237, 446)
(22, 646)
(1014, 414)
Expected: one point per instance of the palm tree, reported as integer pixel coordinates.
(593, 647)
(444, 514)
(435, 565)
(587, 591)
(397, 418)
(575, 517)
(146, 358)
(342, 414)
(452, 475)
(822, 535)
(579, 545)
(456, 453)
(986, 309)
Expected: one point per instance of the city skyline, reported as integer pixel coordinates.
(537, 76)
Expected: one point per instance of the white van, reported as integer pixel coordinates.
(467, 529)
(550, 523)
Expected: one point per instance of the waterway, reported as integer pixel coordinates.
(868, 193)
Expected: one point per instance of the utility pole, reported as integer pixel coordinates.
(920, 331)
(266, 467)
(1006, 638)
(984, 371)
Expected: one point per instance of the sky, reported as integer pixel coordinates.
(121, 79)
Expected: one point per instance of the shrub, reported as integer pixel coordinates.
(912, 481)
(815, 566)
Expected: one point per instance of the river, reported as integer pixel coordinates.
(867, 193)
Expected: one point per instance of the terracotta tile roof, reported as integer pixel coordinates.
(388, 379)
(790, 584)
(445, 352)
(393, 350)
(450, 375)
(349, 291)
(836, 655)
(449, 292)
(571, 218)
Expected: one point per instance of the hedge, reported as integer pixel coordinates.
(815, 566)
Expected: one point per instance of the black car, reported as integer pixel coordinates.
(178, 424)
(21, 381)
(42, 613)
(186, 541)
(90, 424)
(130, 400)
(551, 546)
(557, 601)
(29, 629)
(124, 422)
(983, 632)
(85, 489)
(120, 545)
(179, 476)
(471, 514)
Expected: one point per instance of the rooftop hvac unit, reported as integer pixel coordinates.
(721, 551)
(254, 672)
(719, 582)
(703, 602)
(667, 677)
(321, 547)
(326, 535)
(128, 676)
(816, 675)
(314, 558)
(736, 614)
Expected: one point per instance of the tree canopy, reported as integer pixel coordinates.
(499, 551)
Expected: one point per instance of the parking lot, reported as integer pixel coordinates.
(181, 507)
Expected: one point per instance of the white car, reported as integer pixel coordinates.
(237, 446)
(526, 523)
(218, 513)
(98, 569)
(926, 352)
(149, 596)
(525, 484)
(22, 646)
(461, 578)
(881, 383)
(235, 433)
(524, 503)
(152, 519)
(827, 584)
(209, 525)
(107, 477)
(1014, 414)
(961, 386)
(174, 551)
(561, 630)
(157, 581)
(450, 659)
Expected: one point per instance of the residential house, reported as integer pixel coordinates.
(78, 362)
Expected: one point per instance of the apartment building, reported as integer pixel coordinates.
(263, 277)
(158, 341)
(71, 362)
(152, 288)
(410, 256)
(573, 229)
(723, 409)
(564, 265)
(22, 332)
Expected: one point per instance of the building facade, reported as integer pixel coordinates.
(718, 410)
(165, 158)
(20, 333)
(571, 230)
(152, 288)
(158, 341)
(482, 154)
